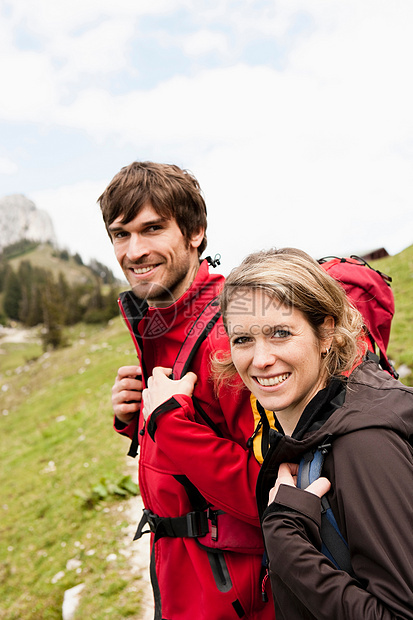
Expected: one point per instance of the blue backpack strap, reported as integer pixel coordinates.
(309, 468)
(334, 546)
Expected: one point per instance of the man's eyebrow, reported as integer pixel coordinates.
(119, 226)
(158, 220)
(115, 227)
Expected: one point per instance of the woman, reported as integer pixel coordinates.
(298, 346)
(296, 342)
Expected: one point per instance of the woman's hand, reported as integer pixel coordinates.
(287, 474)
(127, 393)
(161, 388)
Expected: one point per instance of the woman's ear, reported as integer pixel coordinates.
(328, 330)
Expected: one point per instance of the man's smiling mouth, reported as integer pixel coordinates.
(140, 270)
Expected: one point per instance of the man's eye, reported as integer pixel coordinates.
(120, 234)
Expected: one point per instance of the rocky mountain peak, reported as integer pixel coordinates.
(21, 219)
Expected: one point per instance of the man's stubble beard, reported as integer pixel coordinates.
(165, 293)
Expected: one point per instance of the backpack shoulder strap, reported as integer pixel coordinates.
(334, 545)
(199, 331)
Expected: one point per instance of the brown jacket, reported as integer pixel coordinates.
(370, 468)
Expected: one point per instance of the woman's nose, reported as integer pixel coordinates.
(263, 355)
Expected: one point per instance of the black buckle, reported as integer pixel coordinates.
(148, 518)
(197, 523)
(193, 525)
(152, 520)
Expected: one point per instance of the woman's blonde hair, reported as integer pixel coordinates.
(294, 279)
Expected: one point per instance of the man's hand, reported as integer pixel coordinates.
(127, 393)
(287, 474)
(161, 388)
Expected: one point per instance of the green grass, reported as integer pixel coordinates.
(400, 268)
(43, 257)
(15, 355)
(57, 443)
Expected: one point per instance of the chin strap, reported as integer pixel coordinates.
(214, 262)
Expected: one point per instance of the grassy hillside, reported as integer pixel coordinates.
(400, 268)
(43, 256)
(56, 445)
(39, 283)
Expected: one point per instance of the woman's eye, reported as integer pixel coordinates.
(240, 340)
(281, 333)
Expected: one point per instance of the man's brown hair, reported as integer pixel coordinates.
(172, 192)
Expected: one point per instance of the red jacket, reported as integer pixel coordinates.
(194, 583)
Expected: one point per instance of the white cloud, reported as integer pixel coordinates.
(50, 18)
(211, 106)
(204, 42)
(102, 49)
(7, 166)
(317, 154)
(27, 81)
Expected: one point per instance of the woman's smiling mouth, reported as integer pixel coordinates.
(271, 381)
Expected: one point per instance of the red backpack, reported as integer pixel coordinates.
(370, 292)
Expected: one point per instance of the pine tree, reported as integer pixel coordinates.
(12, 296)
(53, 316)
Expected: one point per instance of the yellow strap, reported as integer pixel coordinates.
(256, 446)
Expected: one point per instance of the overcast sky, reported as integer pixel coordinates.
(295, 116)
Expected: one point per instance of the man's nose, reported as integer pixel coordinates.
(137, 248)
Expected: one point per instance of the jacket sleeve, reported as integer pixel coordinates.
(221, 469)
(128, 430)
(374, 509)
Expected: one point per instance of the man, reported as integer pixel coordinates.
(196, 475)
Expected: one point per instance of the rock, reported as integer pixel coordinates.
(140, 553)
(71, 601)
(58, 576)
(20, 219)
(404, 371)
(73, 564)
